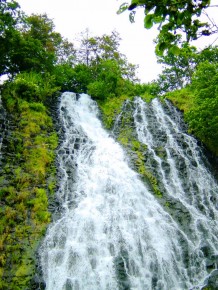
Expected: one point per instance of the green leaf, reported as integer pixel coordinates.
(158, 51)
(123, 7)
(174, 50)
(148, 21)
(163, 46)
(158, 19)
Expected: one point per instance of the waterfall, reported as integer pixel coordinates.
(113, 233)
(2, 128)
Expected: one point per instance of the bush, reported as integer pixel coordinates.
(203, 118)
(32, 87)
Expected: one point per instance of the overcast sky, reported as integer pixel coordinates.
(71, 17)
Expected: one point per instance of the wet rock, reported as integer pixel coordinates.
(212, 262)
(37, 283)
(211, 283)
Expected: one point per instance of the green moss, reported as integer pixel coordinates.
(110, 109)
(28, 184)
(160, 152)
(147, 97)
(146, 175)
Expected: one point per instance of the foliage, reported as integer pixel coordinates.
(65, 53)
(34, 48)
(100, 69)
(173, 18)
(150, 89)
(209, 53)
(203, 118)
(31, 45)
(82, 77)
(42, 28)
(36, 45)
(95, 50)
(9, 19)
(111, 107)
(66, 77)
(178, 69)
(104, 47)
(182, 99)
(28, 175)
(32, 86)
(107, 74)
(53, 47)
(199, 101)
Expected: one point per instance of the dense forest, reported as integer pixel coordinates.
(40, 64)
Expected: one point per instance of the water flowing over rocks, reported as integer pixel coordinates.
(3, 127)
(114, 232)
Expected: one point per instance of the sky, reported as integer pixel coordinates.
(71, 17)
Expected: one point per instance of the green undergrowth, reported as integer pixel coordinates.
(147, 97)
(110, 109)
(27, 183)
(183, 99)
(127, 137)
(200, 113)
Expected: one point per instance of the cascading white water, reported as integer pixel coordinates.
(113, 233)
(180, 169)
(2, 126)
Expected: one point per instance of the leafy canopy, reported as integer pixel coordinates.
(178, 69)
(174, 18)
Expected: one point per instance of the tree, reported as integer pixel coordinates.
(209, 54)
(66, 52)
(203, 118)
(31, 45)
(82, 76)
(10, 17)
(178, 69)
(39, 43)
(101, 70)
(173, 17)
(107, 82)
(94, 50)
(35, 46)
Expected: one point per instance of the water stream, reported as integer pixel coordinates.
(113, 233)
(3, 121)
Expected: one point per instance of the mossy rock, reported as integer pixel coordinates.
(29, 182)
(126, 136)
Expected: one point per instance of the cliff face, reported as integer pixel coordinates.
(28, 140)
(26, 186)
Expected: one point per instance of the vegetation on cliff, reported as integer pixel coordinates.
(198, 97)
(27, 183)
